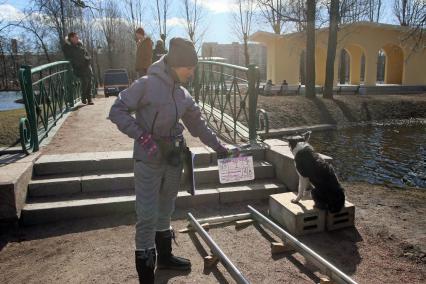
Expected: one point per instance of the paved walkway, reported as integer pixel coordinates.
(87, 129)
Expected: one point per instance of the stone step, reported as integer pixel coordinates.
(50, 211)
(54, 186)
(84, 163)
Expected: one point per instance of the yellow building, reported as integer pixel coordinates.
(362, 41)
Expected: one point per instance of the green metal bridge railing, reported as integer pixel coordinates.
(227, 95)
(48, 92)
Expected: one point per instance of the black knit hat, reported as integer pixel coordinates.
(181, 53)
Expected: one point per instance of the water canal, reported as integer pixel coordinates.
(387, 154)
(8, 98)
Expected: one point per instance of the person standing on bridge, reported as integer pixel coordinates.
(75, 52)
(160, 102)
(143, 52)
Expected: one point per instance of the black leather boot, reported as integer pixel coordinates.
(145, 265)
(165, 259)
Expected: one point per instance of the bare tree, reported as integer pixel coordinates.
(59, 14)
(292, 11)
(410, 12)
(38, 25)
(109, 14)
(134, 12)
(331, 49)
(162, 8)
(272, 11)
(4, 77)
(374, 8)
(193, 16)
(243, 21)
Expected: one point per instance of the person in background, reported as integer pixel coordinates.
(143, 52)
(267, 88)
(160, 103)
(75, 52)
(283, 88)
(159, 50)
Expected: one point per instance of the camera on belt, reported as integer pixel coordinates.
(174, 155)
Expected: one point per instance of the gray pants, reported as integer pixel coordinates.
(156, 187)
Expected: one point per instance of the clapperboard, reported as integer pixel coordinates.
(235, 169)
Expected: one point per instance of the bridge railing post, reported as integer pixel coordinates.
(196, 84)
(26, 82)
(253, 78)
(69, 86)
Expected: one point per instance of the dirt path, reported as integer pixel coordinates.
(383, 248)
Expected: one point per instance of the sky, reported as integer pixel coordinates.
(218, 18)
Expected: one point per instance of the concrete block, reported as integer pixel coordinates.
(206, 175)
(54, 187)
(344, 218)
(255, 150)
(275, 142)
(83, 163)
(282, 160)
(205, 196)
(108, 182)
(298, 219)
(39, 213)
(14, 179)
(247, 192)
(203, 156)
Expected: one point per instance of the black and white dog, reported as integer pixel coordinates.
(327, 193)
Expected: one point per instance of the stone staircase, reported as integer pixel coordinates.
(82, 185)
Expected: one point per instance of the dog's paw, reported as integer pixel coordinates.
(294, 201)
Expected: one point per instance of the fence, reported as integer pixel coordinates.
(227, 95)
(48, 92)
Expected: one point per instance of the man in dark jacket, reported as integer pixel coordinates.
(75, 52)
(160, 102)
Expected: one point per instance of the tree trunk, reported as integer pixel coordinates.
(246, 54)
(4, 77)
(331, 49)
(310, 50)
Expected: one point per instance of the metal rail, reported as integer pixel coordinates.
(227, 95)
(48, 92)
(326, 267)
(235, 273)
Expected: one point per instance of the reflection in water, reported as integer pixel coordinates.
(377, 154)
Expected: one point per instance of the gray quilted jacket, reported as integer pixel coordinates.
(159, 104)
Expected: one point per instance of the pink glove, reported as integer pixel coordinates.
(148, 144)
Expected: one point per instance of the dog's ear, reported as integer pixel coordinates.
(307, 135)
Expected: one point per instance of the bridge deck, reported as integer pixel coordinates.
(87, 129)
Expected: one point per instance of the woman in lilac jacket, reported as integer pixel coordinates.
(160, 103)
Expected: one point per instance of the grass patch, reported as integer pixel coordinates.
(9, 126)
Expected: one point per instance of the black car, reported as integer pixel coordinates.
(115, 80)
